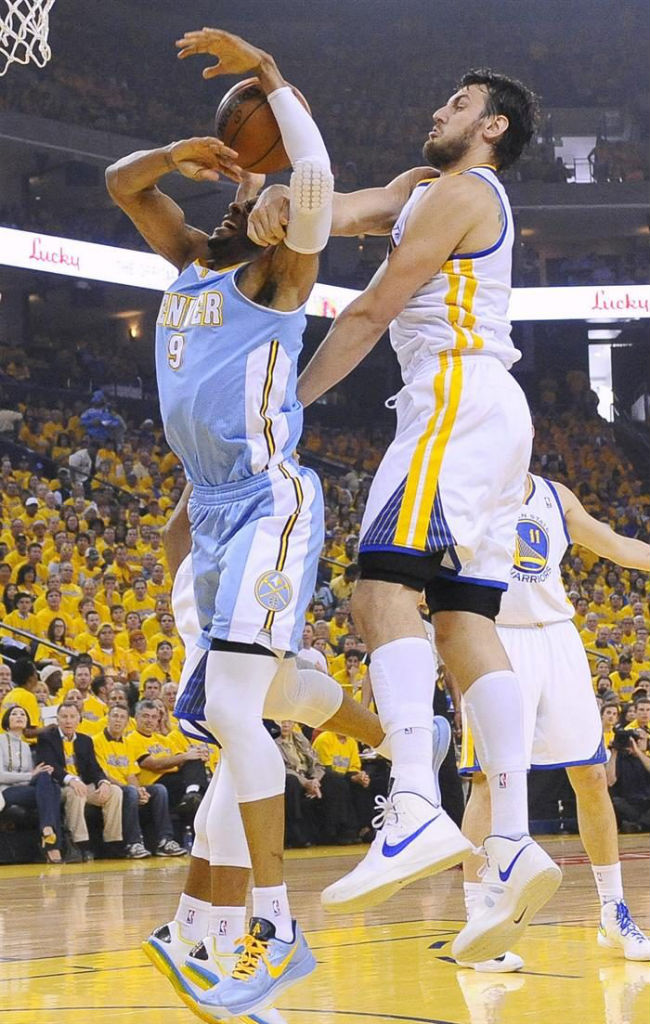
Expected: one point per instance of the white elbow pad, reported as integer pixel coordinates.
(310, 206)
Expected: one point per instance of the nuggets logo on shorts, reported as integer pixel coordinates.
(531, 547)
(273, 591)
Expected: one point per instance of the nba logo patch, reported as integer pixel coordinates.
(503, 780)
(531, 547)
(276, 908)
(273, 591)
(223, 927)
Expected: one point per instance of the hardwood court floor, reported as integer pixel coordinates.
(69, 943)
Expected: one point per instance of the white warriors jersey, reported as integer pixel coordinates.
(536, 594)
(464, 306)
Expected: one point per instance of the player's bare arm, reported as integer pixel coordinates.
(176, 537)
(132, 183)
(368, 211)
(599, 537)
(457, 214)
(283, 277)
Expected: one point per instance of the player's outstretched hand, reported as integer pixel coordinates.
(267, 221)
(235, 55)
(204, 159)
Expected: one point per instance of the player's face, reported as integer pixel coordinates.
(229, 242)
(455, 127)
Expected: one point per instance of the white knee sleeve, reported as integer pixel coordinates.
(236, 688)
(303, 695)
(200, 846)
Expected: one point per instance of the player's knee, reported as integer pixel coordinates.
(588, 779)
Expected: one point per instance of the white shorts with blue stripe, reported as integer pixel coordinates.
(255, 549)
(562, 725)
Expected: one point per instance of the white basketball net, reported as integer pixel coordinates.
(24, 26)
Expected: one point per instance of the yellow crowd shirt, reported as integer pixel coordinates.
(341, 755)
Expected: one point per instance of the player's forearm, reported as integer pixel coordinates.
(139, 171)
(354, 334)
(176, 536)
(632, 553)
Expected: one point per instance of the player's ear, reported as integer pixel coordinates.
(495, 126)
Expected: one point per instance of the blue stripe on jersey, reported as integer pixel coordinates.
(227, 374)
(561, 510)
(493, 248)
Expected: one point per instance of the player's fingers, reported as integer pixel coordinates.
(206, 174)
(213, 71)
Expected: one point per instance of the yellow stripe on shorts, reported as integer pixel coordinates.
(467, 754)
(424, 471)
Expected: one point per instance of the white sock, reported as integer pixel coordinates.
(403, 678)
(471, 892)
(192, 917)
(609, 882)
(272, 903)
(495, 713)
(227, 926)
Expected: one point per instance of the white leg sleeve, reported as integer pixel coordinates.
(200, 847)
(236, 688)
(225, 830)
(302, 695)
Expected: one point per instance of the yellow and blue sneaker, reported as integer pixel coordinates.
(266, 966)
(167, 950)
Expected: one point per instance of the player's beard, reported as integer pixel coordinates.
(224, 252)
(444, 153)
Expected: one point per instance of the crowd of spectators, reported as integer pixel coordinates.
(375, 111)
(92, 657)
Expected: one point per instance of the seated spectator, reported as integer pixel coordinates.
(317, 800)
(351, 678)
(302, 786)
(116, 761)
(641, 718)
(182, 774)
(82, 781)
(340, 754)
(5, 681)
(24, 785)
(25, 678)
(628, 776)
(308, 652)
(609, 716)
(624, 679)
(343, 586)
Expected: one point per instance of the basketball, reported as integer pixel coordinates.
(245, 122)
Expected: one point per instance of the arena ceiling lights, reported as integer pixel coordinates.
(92, 262)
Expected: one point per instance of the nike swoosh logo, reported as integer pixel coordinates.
(392, 851)
(275, 971)
(505, 875)
(516, 921)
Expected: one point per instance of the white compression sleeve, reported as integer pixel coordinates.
(312, 185)
(303, 695)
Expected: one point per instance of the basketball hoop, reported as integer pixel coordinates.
(24, 26)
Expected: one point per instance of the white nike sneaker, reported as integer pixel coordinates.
(507, 963)
(518, 879)
(618, 930)
(415, 838)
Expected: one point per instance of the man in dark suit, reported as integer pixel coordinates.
(82, 781)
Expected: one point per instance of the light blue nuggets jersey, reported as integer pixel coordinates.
(226, 371)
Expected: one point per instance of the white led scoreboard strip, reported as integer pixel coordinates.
(93, 262)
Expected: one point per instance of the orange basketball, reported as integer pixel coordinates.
(245, 122)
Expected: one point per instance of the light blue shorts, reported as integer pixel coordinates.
(255, 550)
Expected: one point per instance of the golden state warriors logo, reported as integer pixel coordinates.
(531, 547)
(273, 591)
